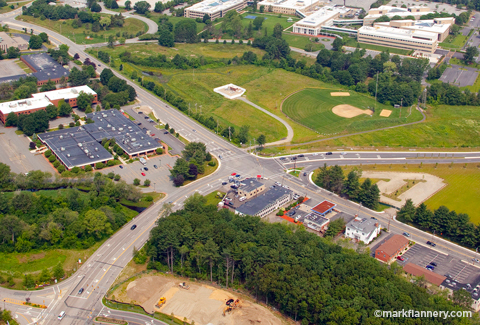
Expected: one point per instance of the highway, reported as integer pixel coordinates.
(98, 273)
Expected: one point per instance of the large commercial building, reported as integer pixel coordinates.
(440, 27)
(6, 41)
(251, 188)
(214, 8)
(391, 248)
(390, 11)
(364, 230)
(81, 146)
(289, 7)
(45, 68)
(42, 100)
(265, 203)
(398, 38)
(312, 24)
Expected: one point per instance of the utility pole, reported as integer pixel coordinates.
(229, 134)
(401, 104)
(376, 89)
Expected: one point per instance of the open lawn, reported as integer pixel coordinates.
(313, 108)
(300, 41)
(460, 194)
(156, 16)
(270, 20)
(79, 35)
(454, 42)
(16, 5)
(213, 199)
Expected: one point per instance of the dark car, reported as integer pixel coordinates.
(430, 267)
(329, 153)
(155, 166)
(81, 291)
(166, 132)
(146, 117)
(140, 112)
(433, 264)
(301, 156)
(233, 186)
(121, 167)
(224, 183)
(145, 129)
(133, 227)
(431, 243)
(145, 168)
(139, 123)
(305, 174)
(406, 234)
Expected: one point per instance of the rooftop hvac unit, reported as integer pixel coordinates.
(98, 156)
(148, 143)
(92, 156)
(72, 135)
(113, 128)
(104, 115)
(29, 102)
(96, 149)
(61, 137)
(99, 127)
(120, 129)
(68, 155)
(86, 151)
(133, 139)
(109, 126)
(74, 91)
(142, 138)
(79, 144)
(100, 119)
(13, 105)
(62, 149)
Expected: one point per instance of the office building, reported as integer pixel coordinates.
(363, 229)
(312, 24)
(265, 203)
(251, 188)
(68, 94)
(22, 106)
(289, 7)
(390, 11)
(45, 68)
(439, 27)
(214, 8)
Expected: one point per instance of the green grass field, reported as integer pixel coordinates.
(156, 16)
(300, 41)
(460, 194)
(78, 35)
(313, 108)
(16, 5)
(454, 42)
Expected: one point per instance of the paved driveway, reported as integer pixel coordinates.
(15, 153)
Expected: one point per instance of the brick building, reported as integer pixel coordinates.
(45, 68)
(391, 248)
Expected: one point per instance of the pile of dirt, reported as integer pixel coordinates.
(202, 303)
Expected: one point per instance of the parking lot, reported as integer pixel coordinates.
(459, 76)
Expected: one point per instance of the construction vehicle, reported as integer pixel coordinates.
(230, 305)
(161, 302)
(184, 285)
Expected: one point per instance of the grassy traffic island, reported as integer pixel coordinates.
(88, 33)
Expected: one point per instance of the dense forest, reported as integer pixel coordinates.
(447, 224)
(77, 216)
(302, 275)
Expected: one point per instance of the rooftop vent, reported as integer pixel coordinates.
(92, 156)
(68, 155)
(80, 145)
(120, 129)
(86, 151)
(96, 149)
(98, 156)
(61, 137)
(62, 149)
(108, 126)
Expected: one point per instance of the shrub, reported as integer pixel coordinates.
(146, 182)
(75, 170)
(52, 158)
(60, 127)
(111, 175)
(136, 182)
(159, 151)
(148, 198)
(88, 168)
(71, 124)
(110, 163)
(117, 177)
(61, 169)
(56, 163)
(212, 163)
(99, 165)
(48, 153)
(32, 145)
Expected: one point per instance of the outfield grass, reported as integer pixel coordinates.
(313, 108)
(78, 35)
(461, 193)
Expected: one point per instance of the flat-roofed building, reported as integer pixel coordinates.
(363, 229)
(439, 27)
(68, 94)
(390, 11)
(22, 106)
(6, 41)
(312, 24)
(214, 8)
(289, 7)
(251, 188)
(398, 38)
(265, 203)
(45, 68)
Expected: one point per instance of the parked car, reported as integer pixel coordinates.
(133, 227)
(433, 264)
(145, 168)
(406, 234)
(224, 183)
(146, 117)
(155, 166)
(143, 174)
(430, 267)
(139, 123)
(329, 153)
(121, 167)
(153, 134)
(400, 258)
(243, 198)
(448, 275)
(166, 132)
(140, 112)
(301, 156)
(237, 176)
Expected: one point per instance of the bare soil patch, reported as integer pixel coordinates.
(202, 303)
(349, 111)
(339, 94)
(31, 258)
(385, 113)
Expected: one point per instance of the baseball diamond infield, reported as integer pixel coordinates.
(340, 94)
(349, 111)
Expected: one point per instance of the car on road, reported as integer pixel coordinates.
(430, 267)
(62, 314)
(121, 167)
(194, 130)
(81, 291)
(133, 227)
(304, 174)
(475, 260)
(432, 264)
(329, 153)
(431, 243)
(153, 134)
(224, 183)
(166, 132)
(139, 123)
(400, 258)
(315, 154)
(406, 234)
(146, 117)
(140, 112)
(301, 156)
(143, 174)
(155, 166)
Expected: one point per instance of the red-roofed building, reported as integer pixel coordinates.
(391, 248)
(323, 208)
(430, 276)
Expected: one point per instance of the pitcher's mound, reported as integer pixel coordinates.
(349, 111)
(385, 113)
(339, 94)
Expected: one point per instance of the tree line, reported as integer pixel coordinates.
(72, 219)
(298, 273)
(43, 9)
(115, 91)
(445, 223)
(333, 179)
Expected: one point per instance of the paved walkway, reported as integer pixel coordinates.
(419, 193)
(289, 128)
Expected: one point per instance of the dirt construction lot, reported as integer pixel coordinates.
(349, 111)
(201, 303)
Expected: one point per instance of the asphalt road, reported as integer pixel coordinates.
(98, 273)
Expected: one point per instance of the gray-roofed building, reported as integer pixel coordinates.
(75, 147)
(364, 230)
(251, 188)
(265, 203)
(45, 68)
(80, 146)
(128, 135)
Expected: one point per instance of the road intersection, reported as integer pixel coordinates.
(99, 272)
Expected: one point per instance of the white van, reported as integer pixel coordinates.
(62, 314)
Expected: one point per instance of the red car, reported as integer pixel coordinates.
(143, 174)
(400, 258)
(152, 135)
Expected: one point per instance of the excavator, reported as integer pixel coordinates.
(230, 305)
(161, 302)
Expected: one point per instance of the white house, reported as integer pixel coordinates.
(364, 230)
